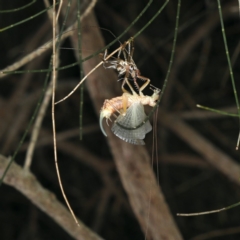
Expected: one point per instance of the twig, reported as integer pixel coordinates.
(54, 83)
(37, 126)
(189, 44)
(39, 51)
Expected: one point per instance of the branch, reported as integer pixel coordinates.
(217, 158)
(133, 162)
(26, 183)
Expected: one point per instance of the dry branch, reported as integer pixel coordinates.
(133, 162)
(217, 158)
(26, 183)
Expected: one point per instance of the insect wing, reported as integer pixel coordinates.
(134, 141)
(134, 116)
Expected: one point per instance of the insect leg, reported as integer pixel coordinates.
(125, 81)
(144, 85)
(131, 49)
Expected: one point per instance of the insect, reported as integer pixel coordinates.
(134, 116)
(129, 108)
(126, 67)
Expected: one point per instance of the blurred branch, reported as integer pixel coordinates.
(133, 162)
(26, 183)
(187, 47)
(216, 157)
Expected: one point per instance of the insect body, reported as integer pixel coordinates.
(131, 113)
(128, 107)
(126, 67)
(134, 116)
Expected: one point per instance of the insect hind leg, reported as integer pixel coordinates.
(147, 81)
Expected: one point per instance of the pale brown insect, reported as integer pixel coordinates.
(126, 66)
(129, 108)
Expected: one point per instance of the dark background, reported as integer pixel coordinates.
(201, 76)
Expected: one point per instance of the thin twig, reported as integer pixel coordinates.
(39, 51)
(37, 126)
(208, 212)
(54, 81)
(89, 73)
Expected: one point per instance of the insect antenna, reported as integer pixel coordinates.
(105, 29)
